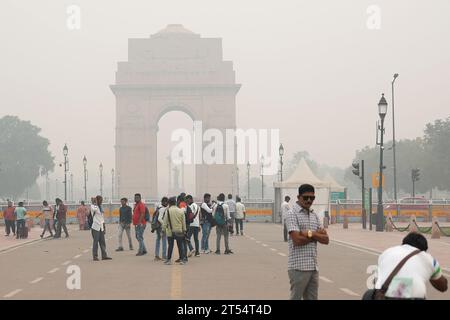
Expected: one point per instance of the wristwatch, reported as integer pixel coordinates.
(309, 234)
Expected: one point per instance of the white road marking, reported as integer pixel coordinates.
(325, 279)
(273, 249)
(77, 256)
(264, 245)
(66, 263)
(282, 254)
(350, 246)
(258, 241)
(252, 238)
(349, 292)
(12, 293)
(36, 280)
(53, 270)
(85, 251)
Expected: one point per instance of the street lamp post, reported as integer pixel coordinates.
(237, 180)
(101, 178)
(248, 180)
(66, 168)
(85, 177)
(71, 187)
(393, 139)
(262, 177)
(56, 189)
(281, 153)
(382, 110)
(112, 184)
(47, 186)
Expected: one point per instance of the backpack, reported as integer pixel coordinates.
(147, 214)
(190, 215)
(219, 215)
(90, 219)
(155, 225)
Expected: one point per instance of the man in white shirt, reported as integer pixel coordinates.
(194, 226)
(240, 216)
(221, 216)
(206, 221)
(98, 230)
(285, 208)
(410, 282)
(161, 238)
(232, 208)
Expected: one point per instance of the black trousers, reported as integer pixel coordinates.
(285, 233)
(61, 225)
(10, 225)
(98, 238)
(181, 243)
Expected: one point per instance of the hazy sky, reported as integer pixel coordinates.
(313, 69)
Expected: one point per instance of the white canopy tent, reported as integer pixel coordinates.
(302, 174)
(334, 186)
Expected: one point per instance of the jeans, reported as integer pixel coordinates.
(127, 228)
(20, 227)
(222, 230)
(193, 231)
(61, 225)
(206, 230)
(140, 237)
(161, 238)
(10, 225)
(99, 238)
(180, 244)
(304, 284)
(55, 224)
(232, 215)
(239, 223)
(47, 226)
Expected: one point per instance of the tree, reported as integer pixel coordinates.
(410, 154)
(437, 149)
(24, 154)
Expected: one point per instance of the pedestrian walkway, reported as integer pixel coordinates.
(10, 242)
(380, 241)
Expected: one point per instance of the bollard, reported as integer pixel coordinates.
(435, 232)
(333, 219)
(412, 224)
(325, 222)
(389, 226)
(345, 222)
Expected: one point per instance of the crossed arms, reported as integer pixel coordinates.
(300, 238)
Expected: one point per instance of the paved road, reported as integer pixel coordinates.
(257, 270)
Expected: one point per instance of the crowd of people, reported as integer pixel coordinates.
(180, 220)
(177, 220)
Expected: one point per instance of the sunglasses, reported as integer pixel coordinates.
(306, 198)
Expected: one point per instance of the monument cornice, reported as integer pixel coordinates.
(200, 88)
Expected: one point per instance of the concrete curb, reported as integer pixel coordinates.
(356, 246)
(21, 244)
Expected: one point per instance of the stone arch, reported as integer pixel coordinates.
(173, 70)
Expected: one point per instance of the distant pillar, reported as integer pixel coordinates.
(412, 224)
(389, 226)
(345, 222)
(435, 232)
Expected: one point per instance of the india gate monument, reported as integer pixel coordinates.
(172, 70)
